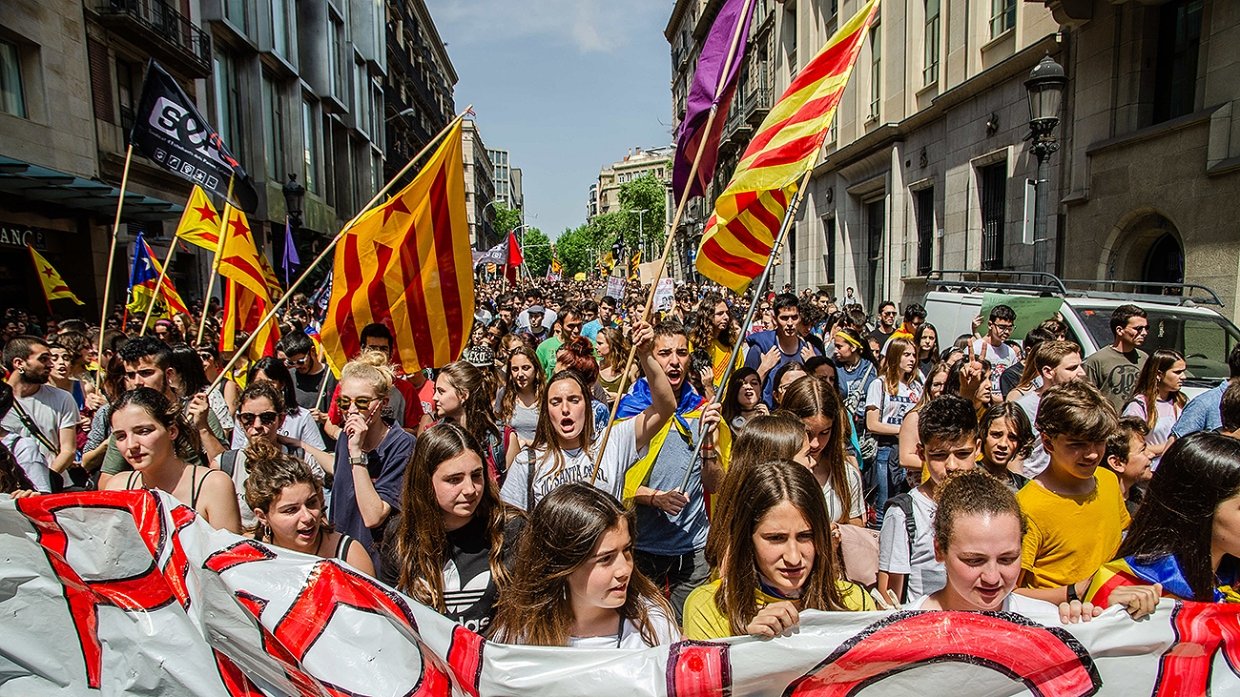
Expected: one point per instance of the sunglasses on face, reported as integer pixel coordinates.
(247, 419)
(291, 362)
(362, 403)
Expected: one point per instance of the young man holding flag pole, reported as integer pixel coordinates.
(817, 88)
(241, 350)
(739, 12)
(784, 150)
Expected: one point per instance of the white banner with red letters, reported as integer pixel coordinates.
(128, 593)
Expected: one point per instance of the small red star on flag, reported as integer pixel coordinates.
(396, 204)
(205, 214)
(239, 228)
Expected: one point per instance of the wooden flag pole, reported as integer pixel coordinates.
(240, 351)
(793, 207)
(215, 260)
(159, 286)
(107, 282)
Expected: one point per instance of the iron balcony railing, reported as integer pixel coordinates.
(183, 42)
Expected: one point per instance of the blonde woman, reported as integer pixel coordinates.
(370, 456)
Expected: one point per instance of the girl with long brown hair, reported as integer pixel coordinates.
(1159, 385)
(517, 406)
(817, 404)
(612, 349)
(778, 436)
(575, 583)
(464, 396)
(888, 399)
(152, 435)
(564, 447)
(287, 499)
(453, 538)
(779, 560)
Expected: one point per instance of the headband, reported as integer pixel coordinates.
(849, 339)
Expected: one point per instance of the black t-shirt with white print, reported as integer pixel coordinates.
(469, 590)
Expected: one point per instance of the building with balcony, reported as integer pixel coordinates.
(294, 89)
(418, 89)
(70, 76)
(479, 188)
(925, 163)
(655, 162)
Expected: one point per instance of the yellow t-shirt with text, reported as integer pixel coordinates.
(1070, 537)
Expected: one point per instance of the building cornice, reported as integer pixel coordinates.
(437, 43)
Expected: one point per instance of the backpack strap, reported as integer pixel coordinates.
(228, 462)
(905, 503)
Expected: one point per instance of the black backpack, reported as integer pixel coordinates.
(905, 503)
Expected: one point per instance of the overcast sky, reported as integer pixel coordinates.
(566, 86)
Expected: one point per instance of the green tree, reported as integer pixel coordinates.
(574, 248)
(506, 219)
(537, 250)
(646, 193)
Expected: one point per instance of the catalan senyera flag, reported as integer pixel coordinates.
(143, 276)
(635, 263)
(741, 233)
(54, 287)
(247, 296)
(407, 264)
(274, 290)
(200, 223)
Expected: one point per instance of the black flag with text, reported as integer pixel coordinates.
(169, 130)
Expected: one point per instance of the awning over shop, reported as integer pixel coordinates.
(49, 186)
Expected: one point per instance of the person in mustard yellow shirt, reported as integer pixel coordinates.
(777, 563)
(1076, 513)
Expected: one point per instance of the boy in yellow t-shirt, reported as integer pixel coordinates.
(1076, 513)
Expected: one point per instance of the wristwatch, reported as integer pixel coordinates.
(355, 461)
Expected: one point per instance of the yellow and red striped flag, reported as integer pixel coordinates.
(408, 264)
(200, 223)
(741, 233)
(54, 287)
(246, 295)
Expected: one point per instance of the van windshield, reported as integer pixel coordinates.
(1205, 341)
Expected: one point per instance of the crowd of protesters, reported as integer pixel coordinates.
(543, 489)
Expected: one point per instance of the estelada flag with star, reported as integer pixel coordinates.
(407, 264)
(143, 276)
(247, 297)
(740, 235)
(54, 287)
(200, 223)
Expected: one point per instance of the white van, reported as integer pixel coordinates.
(1185, 321)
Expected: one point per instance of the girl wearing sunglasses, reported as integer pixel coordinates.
(261, 414)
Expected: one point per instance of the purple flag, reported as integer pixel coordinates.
(731, 26)
(290, 251)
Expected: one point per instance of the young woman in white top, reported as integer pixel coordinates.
(817, 404)
(564, 442)
(298, 424)
(888, 399)
(575, 583)
(1159, 384)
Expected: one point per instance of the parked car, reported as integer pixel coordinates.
(1183, 317)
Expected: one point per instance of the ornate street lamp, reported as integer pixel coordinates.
(294, 195)
(1046, 84)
